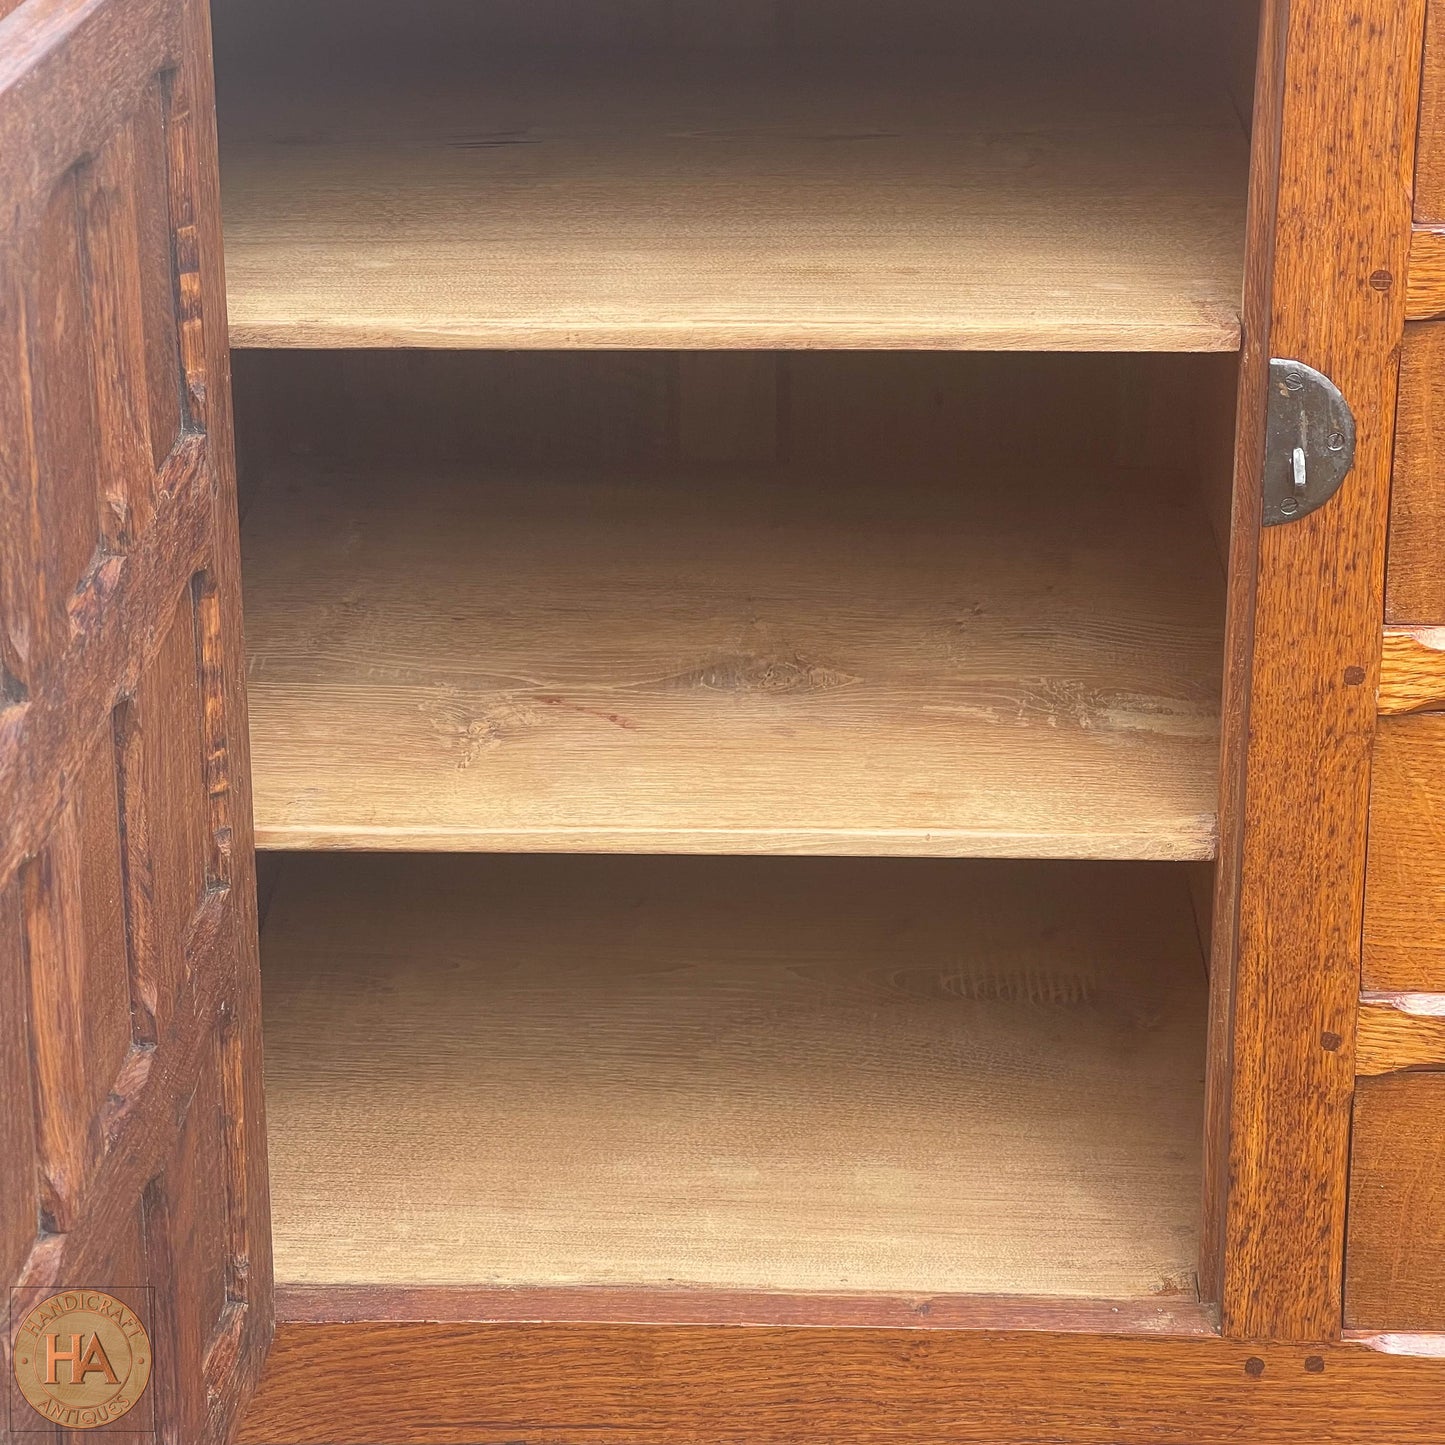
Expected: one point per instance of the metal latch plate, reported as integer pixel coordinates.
(1309, 441)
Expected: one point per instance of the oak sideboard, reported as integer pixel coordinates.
(724, 720)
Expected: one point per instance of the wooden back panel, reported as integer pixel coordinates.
(1119, 29)
(833, 412)
(129, 1041)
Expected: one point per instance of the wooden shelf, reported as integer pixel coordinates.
(809, 1074)
(1019, 664)
(735, 205)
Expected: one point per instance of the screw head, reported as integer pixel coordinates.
(1337, 441)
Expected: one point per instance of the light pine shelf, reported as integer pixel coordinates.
(735, 204)
(813, 1074)
(717, 660)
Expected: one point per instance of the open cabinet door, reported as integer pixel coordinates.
(132, 1155)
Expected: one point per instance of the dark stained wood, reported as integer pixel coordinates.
(1400, 1031)
(1412, 667)
(1404, 925)
(19, 1208)
(1395, 1267)
(129, 1032)
(603, 1304)
(1415, 584)
(1303, 648)
(451, 1384)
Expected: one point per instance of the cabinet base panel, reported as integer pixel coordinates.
(457, 1384)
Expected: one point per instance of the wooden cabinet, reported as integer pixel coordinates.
(818, 863)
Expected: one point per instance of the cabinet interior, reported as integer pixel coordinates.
(813, 1074)
(1043, 176)
(939, 604)
(673, 434)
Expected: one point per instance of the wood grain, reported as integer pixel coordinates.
(1395, 1269)
(1425, 295)
(1404, 940)
(1399, 1032)
(1046, 30)
(1415, 582)
(1412, 667)
(798, 1075)
(1329, 237)
(1242, 571)
(1430, 151)
(452, 1384)
(684, 203)
(942, 413)
(125, 849)
(1174, 1315)
(695, 661)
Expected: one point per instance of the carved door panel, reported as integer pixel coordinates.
(131, 1129)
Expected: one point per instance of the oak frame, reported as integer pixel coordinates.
(1326, 285)
(1329, 232)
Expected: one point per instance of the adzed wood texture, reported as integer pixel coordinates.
(540, 1384)
(1430, 152)
(915, 1076)
(1400, 1031)
(132, 1149)
(1415, 584)
(1425, 296)
(1329, 235)
(687, 202)
(1404, 934)
(1002, 663)
(1412, 668)
(1395, 1269)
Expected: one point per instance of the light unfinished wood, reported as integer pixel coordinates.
(692, 203)
(1015, 664)
(810, 1074)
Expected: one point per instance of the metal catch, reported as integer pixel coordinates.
(1309, 441)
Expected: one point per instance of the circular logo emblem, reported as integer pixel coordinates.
(82, 1358)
